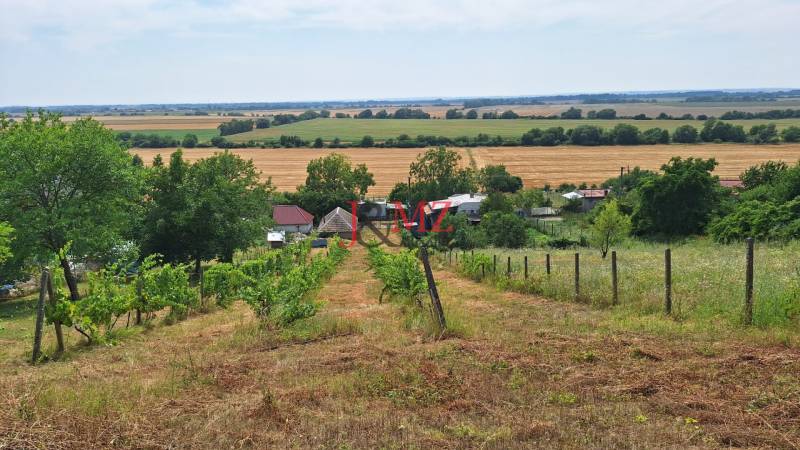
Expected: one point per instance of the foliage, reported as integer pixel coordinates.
(164, 286)
(400, 272)
(64, 183)
(224, 281)
(436, 175)
(235, 126)
(685, 134)
(332, 181)
(496, 202)
(791, 134)
(504, 229)
(6, 236)
(679, 202)
(495, 178)
(764, 173)
(610, 227)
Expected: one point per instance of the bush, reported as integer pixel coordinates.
(685, 134)
(504, 229)
(791, 134)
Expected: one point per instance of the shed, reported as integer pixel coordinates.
(591, 197)
(292, 219)
(340, 222)
(276, 239)
(733, 183)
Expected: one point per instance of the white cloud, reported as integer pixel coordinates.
(80, 24)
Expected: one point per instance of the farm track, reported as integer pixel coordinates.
(536, 165)
(526, 373)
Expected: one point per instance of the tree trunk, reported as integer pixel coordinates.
(69, 277)
(197, 263)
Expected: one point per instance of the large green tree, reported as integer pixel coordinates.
(6, 236)
(332, 181)
(497, 179)
(436, 175)
(679, 202)
(63, 184)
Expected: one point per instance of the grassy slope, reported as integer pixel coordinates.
(350, 130)
(524, 372)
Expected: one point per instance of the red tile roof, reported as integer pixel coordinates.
(731, 183)
(291, 215)
(593, 193)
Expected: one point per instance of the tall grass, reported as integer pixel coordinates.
(708, 279)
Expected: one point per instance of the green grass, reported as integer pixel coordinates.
(352, 130)
(202, 135)
(707, 279)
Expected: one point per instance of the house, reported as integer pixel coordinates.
(469, 204)
(292, 219)
(276, 239)
(591, 197)
(338, 222)
(733, 183)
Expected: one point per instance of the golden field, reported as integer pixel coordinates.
(536, 165)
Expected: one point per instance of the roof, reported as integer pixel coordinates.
(456, 200)
(731, 183)
(593, 193)
(276, 236)
(572, 195)
(337, 221)
(291, 215)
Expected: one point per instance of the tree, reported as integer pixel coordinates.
(262, 123)
(571, 113)
(764, 173)
(6, 235)
(526, 199)
(586, 135)
(609, 228)
(655, 136)
(764, 134)
(496, 202)
(367, 141)
(679, 202)
(454, 114)
(189, 141)
(332, 181)
(472, 114)
(382, 114)
(228, 207)
(436, 175)
(318, 143)
(607, 114)
(62, 184)
(504, 229)
(685, 134)
(626, 134)
(235, 126)
(365, 114)
(509, 114)
(496, 178)
(791, 134)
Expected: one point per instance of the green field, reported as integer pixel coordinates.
(202, 135)
(351, 130)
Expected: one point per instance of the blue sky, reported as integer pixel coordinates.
(152, 51)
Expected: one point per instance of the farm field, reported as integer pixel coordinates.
(352, 130)
(159, 122)
(535, 165)
(516, 371)
(203, 135)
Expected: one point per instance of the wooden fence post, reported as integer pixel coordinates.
(483, 271)
(577, 275)
(508, 268)
(37, 334)
(494, 264)
(56, 324)
(748, 292)
(526, 266)
(614, 283)
(667, 281)
(547, 263)
(434, 293)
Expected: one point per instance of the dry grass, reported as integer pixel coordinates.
(536, 165)
(525, 373)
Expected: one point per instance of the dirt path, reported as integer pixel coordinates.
(524, 373)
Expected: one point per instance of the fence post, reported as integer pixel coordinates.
(526, 266)
(56, 324)
(450, 257)
(434, 293)
(547, 263)
(577, 275)
(508, 268)
(667, 281)
(202, 285)
(456, 257)
(483, 271)
(614, 284)
(748, 296)
(494, 264)
(37, 335)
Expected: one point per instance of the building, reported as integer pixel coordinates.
(379, 209)
(338, 222)
(276, 239)
(292, 219)
(733, 183)
(469, 204)
(591, 197)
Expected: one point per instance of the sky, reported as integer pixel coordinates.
(58, 52)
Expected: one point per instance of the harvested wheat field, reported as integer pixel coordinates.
(536, 165)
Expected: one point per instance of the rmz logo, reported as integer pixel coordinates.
(418, 218)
